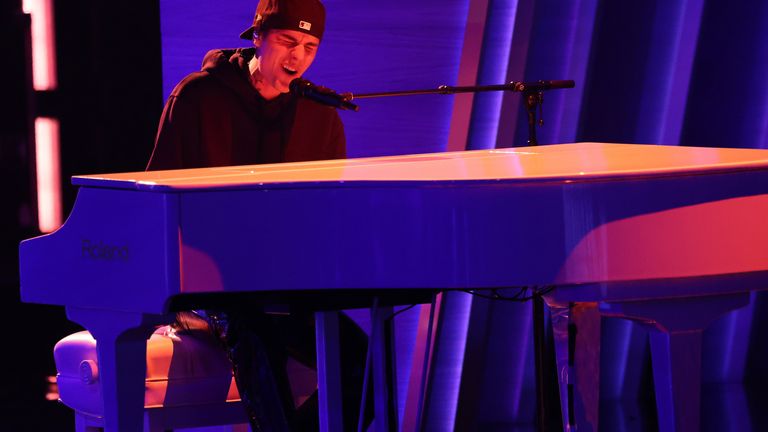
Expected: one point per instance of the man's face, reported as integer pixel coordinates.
(284, 56)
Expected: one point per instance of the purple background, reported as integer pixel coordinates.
(682, 72)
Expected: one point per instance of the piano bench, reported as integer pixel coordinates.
(189, 382)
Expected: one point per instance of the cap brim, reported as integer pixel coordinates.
(247, 34)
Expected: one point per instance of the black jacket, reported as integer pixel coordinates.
(216, 118)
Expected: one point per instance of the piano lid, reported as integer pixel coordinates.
(560, 162)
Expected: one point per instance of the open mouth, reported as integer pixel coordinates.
(290, 71)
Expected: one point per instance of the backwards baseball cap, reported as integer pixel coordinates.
(306, 16)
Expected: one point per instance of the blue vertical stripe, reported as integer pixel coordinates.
(668, 70)
(497, 42)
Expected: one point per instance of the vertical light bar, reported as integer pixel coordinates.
(551, 39)
(757, 105)
(668, 72)
(565, 121)
(497, 43)
(47, 156)
(48, 173)
(468, 66)
(517, 63)
(43, 48)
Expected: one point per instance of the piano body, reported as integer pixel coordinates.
(637, 231)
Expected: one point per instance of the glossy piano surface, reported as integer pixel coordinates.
(558, 214)
(563, 162)
(644, 231)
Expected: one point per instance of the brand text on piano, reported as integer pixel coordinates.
(105, 251)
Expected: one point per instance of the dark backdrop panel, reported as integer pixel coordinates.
(110, 95)
(621, 41)
(728, 100)
(108, 102)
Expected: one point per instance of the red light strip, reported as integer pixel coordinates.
(49, 213)
(47, 156)
(43, 46)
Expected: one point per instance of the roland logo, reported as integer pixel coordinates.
(103, 251)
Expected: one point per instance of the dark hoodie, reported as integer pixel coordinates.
(216, 118)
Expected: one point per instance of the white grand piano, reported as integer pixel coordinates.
(637, 231)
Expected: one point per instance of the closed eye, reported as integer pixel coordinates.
(290, 42)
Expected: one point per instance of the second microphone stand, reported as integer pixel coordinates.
(533, 94)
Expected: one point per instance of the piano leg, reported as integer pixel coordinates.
(122, 352)
(421, 367)
(380, 361)
(382, 350)
(676, 358)
(676, 337)
(576, 329)
(328, 371)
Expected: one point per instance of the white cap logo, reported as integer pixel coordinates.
(305, 25)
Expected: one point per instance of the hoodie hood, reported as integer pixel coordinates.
(216, 117)
(230, 67)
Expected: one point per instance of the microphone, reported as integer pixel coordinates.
(538, 86)
(323, 95)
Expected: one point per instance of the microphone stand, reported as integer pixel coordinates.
(533, 93)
